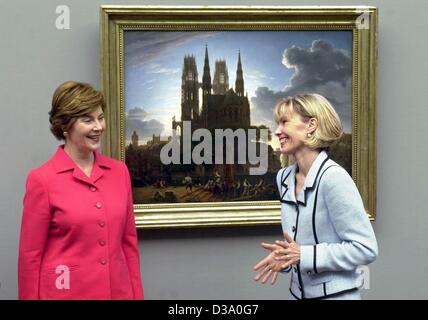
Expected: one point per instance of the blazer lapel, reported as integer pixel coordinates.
(62, 163)
(79, 175)
(101, 164)
(288, 185)
(312, 177)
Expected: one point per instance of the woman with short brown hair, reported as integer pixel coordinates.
(78, 237)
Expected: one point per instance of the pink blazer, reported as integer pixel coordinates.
(78, 237)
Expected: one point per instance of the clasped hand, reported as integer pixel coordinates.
(282, 255)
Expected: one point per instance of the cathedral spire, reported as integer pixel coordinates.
(206, 85)
(206, 78)
(239, 83)
(206, 56)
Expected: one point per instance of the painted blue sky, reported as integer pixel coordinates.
(275, 64)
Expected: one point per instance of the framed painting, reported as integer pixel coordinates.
(190, 95)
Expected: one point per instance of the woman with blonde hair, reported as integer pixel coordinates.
(78, 236)
(327, 234)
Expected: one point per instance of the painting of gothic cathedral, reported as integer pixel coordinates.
(177, 83)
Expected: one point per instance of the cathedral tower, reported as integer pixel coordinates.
(189, 90)
(134, 139)
(221, 78)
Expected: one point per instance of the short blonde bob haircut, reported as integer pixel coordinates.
(72, 100)
(329, 129)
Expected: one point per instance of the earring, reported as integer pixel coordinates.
(309, 135)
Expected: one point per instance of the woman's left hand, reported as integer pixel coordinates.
(289, 251)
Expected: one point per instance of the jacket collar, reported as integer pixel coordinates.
(288, 185)
(63, 163)
(289, 181)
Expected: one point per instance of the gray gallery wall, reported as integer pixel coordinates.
(217, 263)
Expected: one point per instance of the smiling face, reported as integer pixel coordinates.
(85, 133)
(291, 132)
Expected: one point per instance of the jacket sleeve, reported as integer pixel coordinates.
(130, 243)
(35, 224)
(348, 216)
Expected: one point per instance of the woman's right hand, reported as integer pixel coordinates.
(269, 266)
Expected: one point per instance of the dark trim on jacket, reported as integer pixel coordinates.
(314, 231)
(299, 275)
(336, 294)
(315, 180)
(285, 186)
(315, 259)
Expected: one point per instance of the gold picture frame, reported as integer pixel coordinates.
(360, 21)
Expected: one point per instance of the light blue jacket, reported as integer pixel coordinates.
(329, 222)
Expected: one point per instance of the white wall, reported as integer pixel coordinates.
(217, 263)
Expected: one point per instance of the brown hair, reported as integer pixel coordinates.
(308, 106)
(72, 100)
